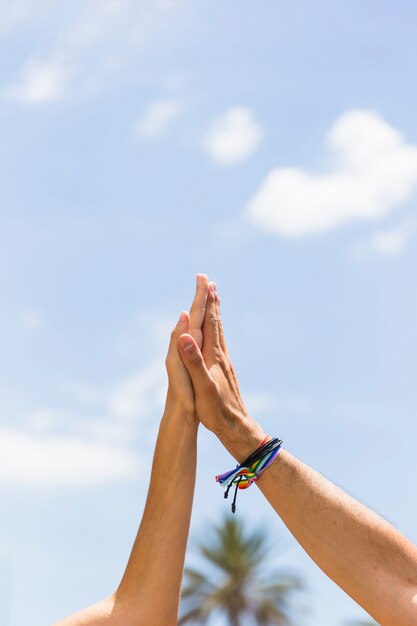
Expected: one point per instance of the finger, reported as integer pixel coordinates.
(181, 327)
(222, 338)
(194, 362)
(211, 339)
(198, 309)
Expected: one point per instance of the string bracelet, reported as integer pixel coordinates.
(251, 468)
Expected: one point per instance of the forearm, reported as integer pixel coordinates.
(368, 558)
(150, 588)
(149, 591)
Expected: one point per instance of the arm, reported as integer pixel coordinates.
(150, 588)
(361, 552)
(149, 592)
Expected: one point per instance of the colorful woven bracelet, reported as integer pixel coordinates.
(249, 471)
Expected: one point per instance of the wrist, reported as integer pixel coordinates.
(241, 436)
(177, 408)
(178, 413)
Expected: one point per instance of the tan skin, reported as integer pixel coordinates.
(360, 551)
(149, 591)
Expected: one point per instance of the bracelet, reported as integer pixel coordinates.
(249, 471)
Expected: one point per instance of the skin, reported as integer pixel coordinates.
(149, 591)
(360, 551)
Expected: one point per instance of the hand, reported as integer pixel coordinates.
(180, 396)
(218, 401)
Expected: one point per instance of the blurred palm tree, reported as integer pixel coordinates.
(235, 581)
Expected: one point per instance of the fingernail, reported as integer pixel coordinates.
(187, 345)
(200, 278)
(182, 318)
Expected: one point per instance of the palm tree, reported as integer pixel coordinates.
(235, 580)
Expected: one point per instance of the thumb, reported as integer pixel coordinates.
(193, 360)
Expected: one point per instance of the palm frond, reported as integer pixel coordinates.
(195, 615)
(232, 579)
(195, 579)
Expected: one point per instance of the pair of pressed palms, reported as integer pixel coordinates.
(234, 585)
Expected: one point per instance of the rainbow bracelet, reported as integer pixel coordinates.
(249, 471)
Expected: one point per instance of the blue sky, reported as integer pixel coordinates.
(270, 146)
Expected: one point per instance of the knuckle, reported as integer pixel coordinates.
(227, 364)
(198, 308)
(218, 354)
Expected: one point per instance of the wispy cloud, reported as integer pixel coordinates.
(41, 81)
(19, 12)
(387, 242)
(79, 448)
(393, 241)
(101, 36)
(133, 397)
(233, 137)
(95, 439)
(372, 171)
(157, 117)
(58, 460)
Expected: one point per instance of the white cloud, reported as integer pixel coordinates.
(392, 241)
(387, 242)
(75, 448)
(98, 38)
(57, 460)
(93, 439)
(233, 137)
(139, 393)
(372, 171)
(126, 406)
(41, 81)
(157, 117)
